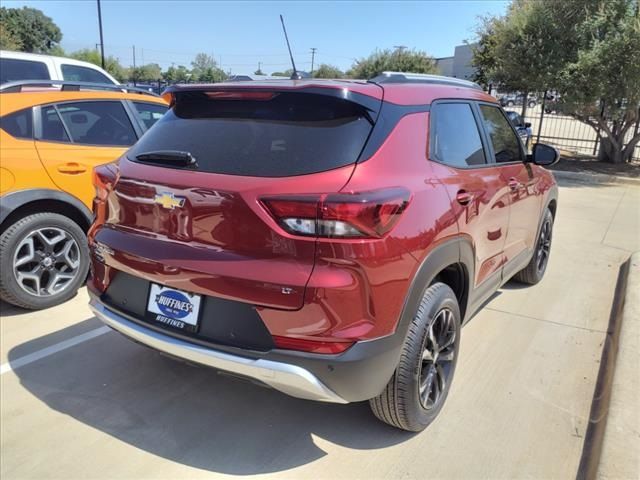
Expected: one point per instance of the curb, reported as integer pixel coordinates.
(628, 280)
(594, 177)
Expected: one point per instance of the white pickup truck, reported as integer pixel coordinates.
(15, 66)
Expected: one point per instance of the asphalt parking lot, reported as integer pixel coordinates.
(80, 401)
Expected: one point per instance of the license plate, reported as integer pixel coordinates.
(173, 308)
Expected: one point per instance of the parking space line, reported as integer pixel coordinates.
(58, 347)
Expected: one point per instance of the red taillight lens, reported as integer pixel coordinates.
(341, 215)
(311, 346)
(104, 178)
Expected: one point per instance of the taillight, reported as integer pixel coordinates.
(104, 178)
(311, 346)
(340, 215)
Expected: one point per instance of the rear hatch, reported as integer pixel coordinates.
(186, 209)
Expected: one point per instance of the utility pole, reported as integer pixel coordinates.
(400, 48)
(101, 39)
(260, 67)
(134, 65)
(313, 56)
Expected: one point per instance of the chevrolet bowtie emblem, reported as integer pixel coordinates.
(168, 200)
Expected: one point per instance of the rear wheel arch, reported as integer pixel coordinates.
(451, 263)
(552, 206)
(20, 204)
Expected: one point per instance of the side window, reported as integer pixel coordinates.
(455, 139)
(52, 127)
(76, 73)
(515, 119)
(98, 123)
(506, 144)
(18, 124)
(150, 113)
(12, 69)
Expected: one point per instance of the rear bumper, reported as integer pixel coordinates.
(358, 374)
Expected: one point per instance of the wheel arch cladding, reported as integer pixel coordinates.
(455, 255)
(16, 205)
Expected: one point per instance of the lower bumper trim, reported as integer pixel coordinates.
(290, 379)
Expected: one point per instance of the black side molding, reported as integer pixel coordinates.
(14, 200)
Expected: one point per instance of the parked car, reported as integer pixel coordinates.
(523, 128)
(50, 140)
(16, 66)
(512, 99)
(299, 234)
(551, 102)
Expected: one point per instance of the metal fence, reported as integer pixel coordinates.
(563, 131)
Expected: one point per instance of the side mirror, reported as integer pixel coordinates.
(527, 125)
(544, 155)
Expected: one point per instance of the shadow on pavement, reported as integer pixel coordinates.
(8, 310)
(189, 414)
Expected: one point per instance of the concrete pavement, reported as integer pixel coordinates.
(519, 405)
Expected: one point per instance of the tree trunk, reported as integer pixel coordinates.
(609, 153)
(525, 100)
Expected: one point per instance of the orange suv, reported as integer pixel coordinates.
(52, 134)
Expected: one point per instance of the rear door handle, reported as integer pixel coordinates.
(72, 168)
(463, 197)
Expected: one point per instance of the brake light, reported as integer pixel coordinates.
(311, 346)
(340, 215)
(241, 95)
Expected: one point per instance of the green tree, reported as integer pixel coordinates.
(212, 75)
(29, 30)
(179, 74)
(111, 64)
(286, 73)
(586, 50)
(259, 72)
(398, 60)
(8, 40)
(206, 70)
(150, 72)
(327, 71)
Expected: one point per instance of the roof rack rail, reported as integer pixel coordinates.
(402, 77)
(69, 86)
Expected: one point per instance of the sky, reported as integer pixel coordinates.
(241, 34)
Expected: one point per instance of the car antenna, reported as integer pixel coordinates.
(295, 75)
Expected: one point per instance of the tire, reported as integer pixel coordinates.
(510, 103)
(49, 253)
(532, 104)
(401, 404)
(534, 271)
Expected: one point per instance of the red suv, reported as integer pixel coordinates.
(326, 238)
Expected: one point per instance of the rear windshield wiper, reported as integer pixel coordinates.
(168, 157)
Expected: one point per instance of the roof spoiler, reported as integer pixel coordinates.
(172, 93)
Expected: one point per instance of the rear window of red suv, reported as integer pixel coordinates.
(268, 135)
